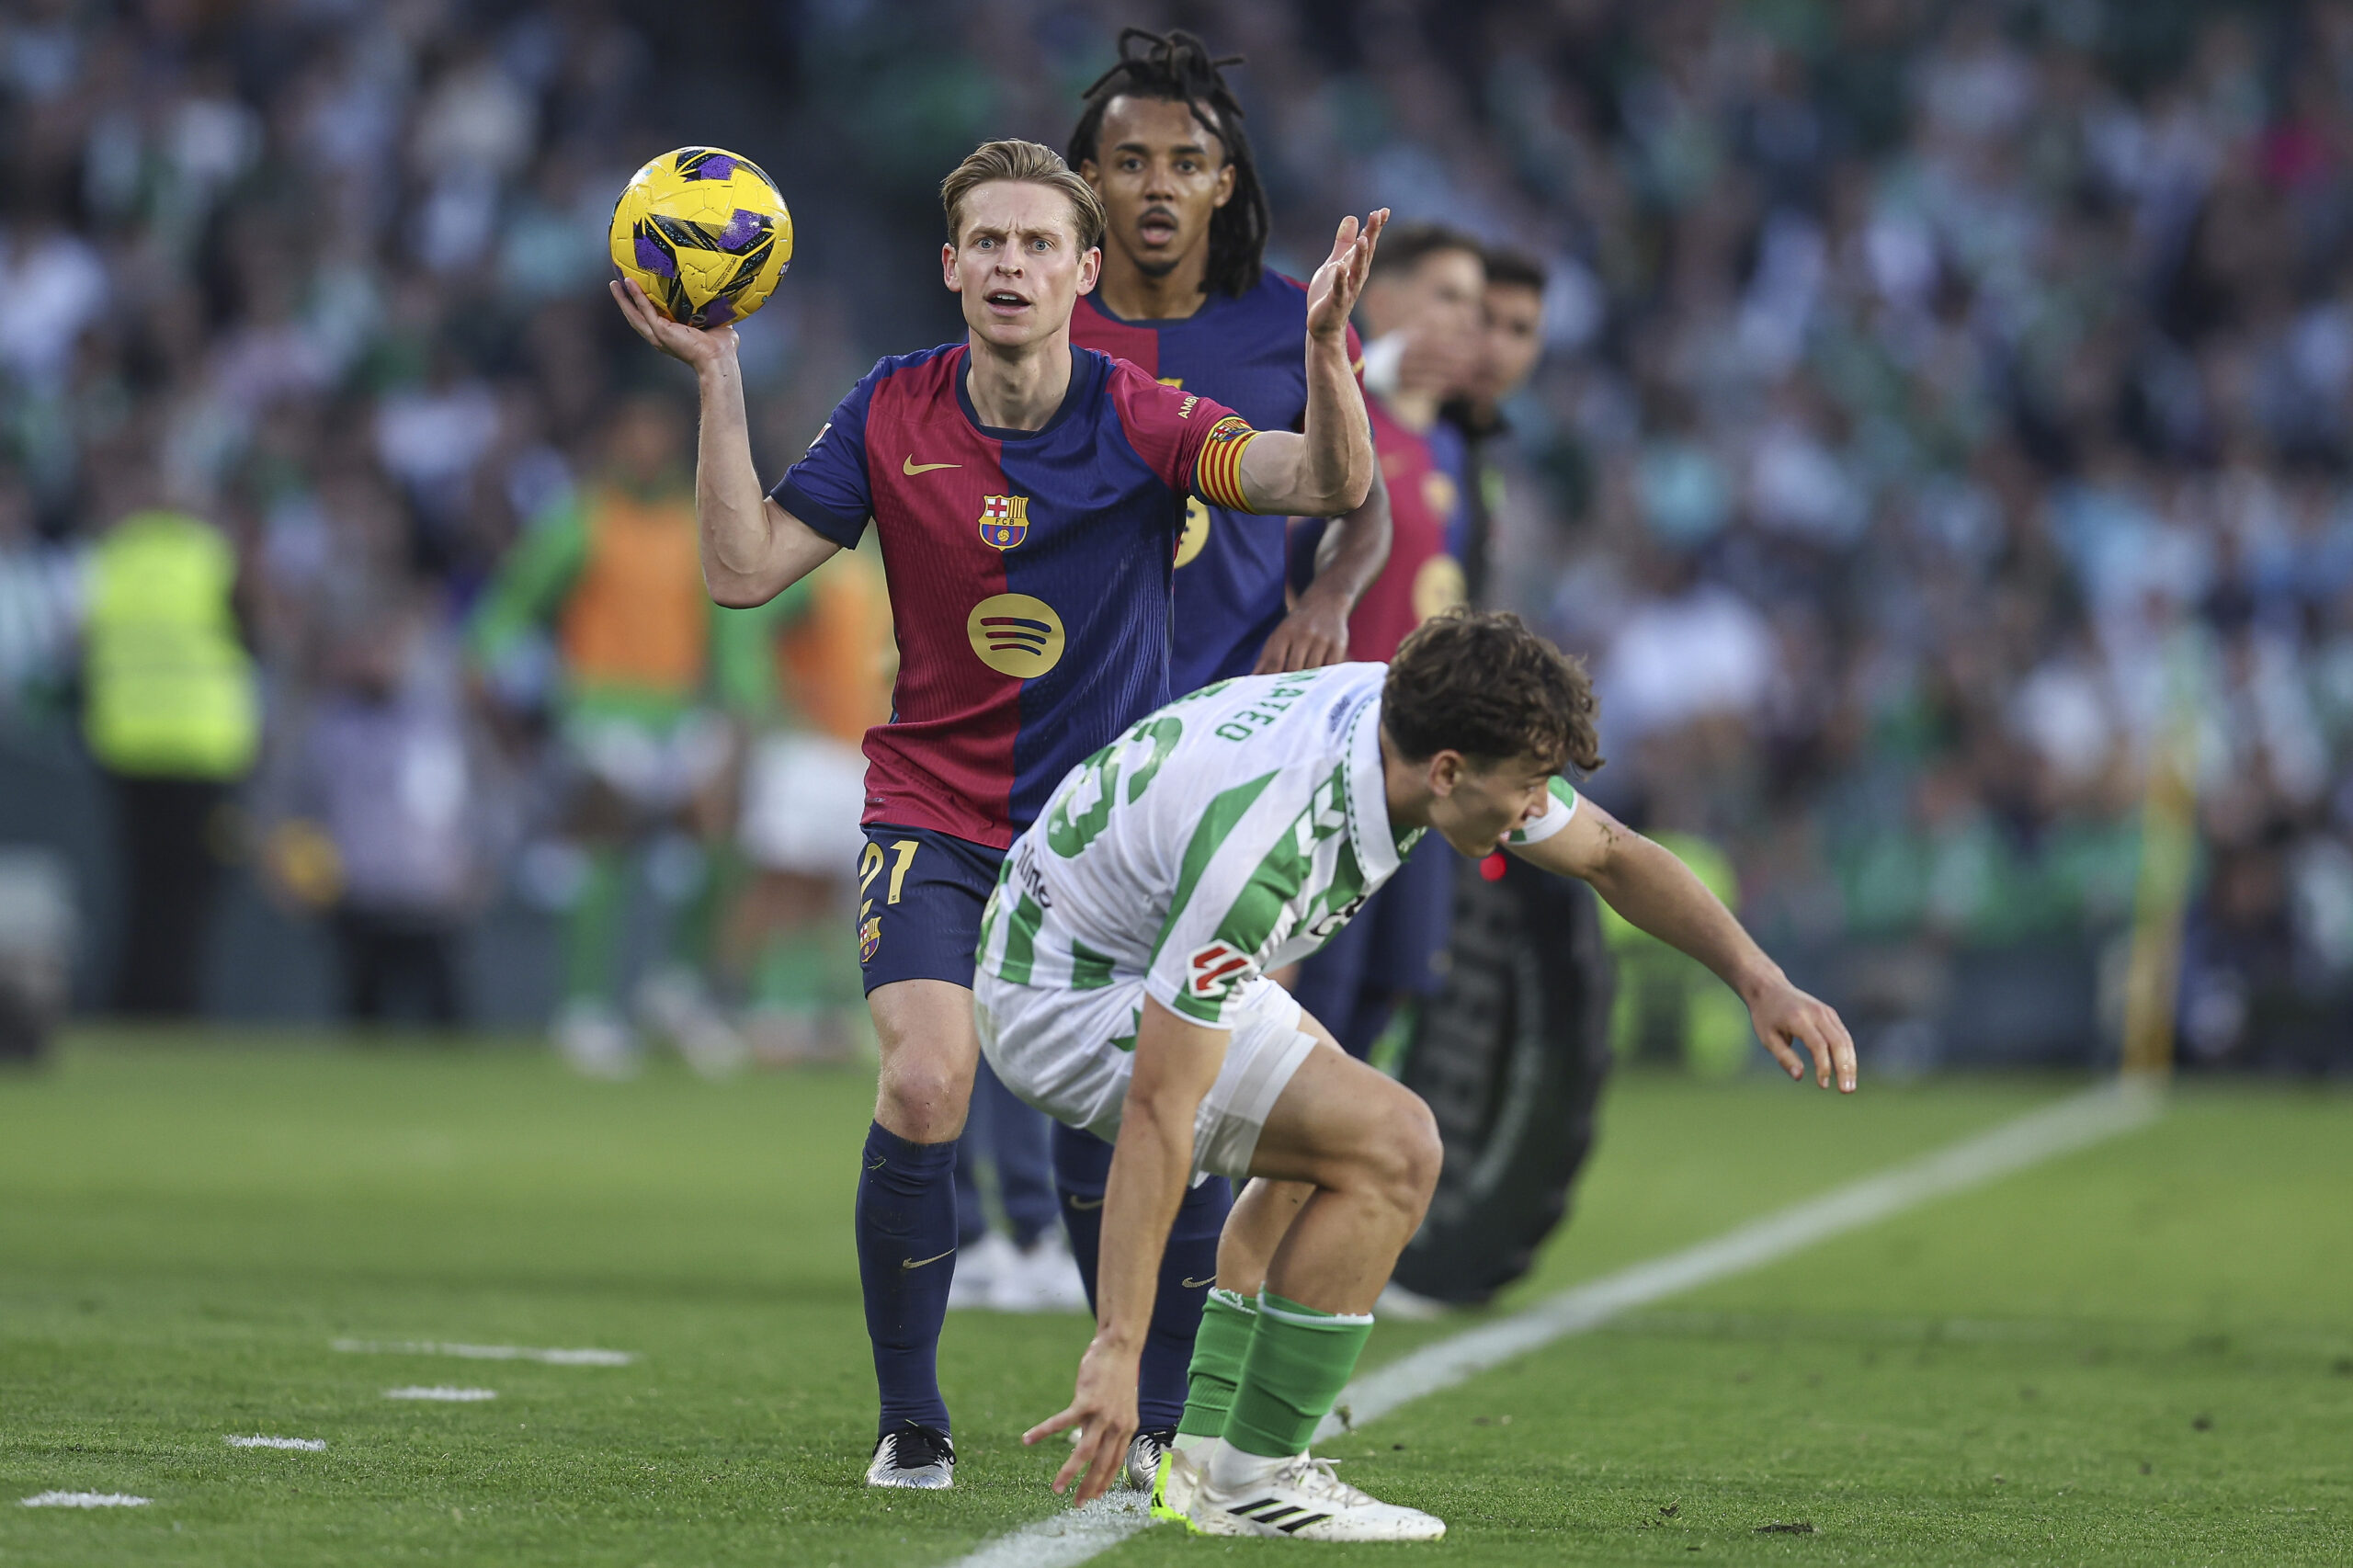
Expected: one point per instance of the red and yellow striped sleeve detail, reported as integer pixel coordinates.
(1217, 473)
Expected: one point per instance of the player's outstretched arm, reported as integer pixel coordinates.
(1656, 892)
(752, 549)
(1176, 1063)
(1326, 469)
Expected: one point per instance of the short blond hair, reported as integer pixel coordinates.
(1023, 163)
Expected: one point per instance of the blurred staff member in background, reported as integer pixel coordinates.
(804, 791)
(379, 819)
(1424, 316)
(648, 671)
(1499, 491)
(173, 716)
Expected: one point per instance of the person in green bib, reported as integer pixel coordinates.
(655, 690)
(172, 716)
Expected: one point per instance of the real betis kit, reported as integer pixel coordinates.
(1229, 832)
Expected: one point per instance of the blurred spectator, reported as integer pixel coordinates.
(170, 712)
(382, 823)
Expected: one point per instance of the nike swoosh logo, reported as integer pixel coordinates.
(1085, 1203)
(1197, 1284)
(911, 468)
(919, 1262)
(877, 1164)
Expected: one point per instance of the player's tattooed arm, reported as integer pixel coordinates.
(752, 548)
(1656, 892)
(1175, 1065)
(1353, 551)
(1327, 468)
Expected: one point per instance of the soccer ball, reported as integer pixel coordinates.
(704, 233)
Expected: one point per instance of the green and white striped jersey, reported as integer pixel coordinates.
(1230, 832)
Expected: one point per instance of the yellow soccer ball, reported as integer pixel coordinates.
(704, 233)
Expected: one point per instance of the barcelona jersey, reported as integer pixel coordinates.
(1030, 572)
(1251, 355)
(1422, 575)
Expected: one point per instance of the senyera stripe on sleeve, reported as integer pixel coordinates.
(1217, 475)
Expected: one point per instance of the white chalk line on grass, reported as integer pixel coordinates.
(308, 1445)
(484, 1352)
(442, 1391)
(1072, 1538)
(84, 1500)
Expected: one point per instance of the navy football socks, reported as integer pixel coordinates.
(907, 1255)
(1188, 1268)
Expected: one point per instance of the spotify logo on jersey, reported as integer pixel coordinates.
(1016, 635)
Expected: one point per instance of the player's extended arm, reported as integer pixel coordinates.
(1650, 888)
(1353, 551)
(1327, 468)
(1176, 1063)
(752, 549)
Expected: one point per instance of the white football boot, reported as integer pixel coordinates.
(594, 1041)
(978, 1269)
(1041, 1278)
(915, 1457)
(1183, 1468)
(1303, 1499)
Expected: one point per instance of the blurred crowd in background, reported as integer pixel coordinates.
(1945, 417)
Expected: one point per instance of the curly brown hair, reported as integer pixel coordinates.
(1480, 683)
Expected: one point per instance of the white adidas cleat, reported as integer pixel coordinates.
(1180, 1475)
(1145, 1451)
(1305, 1500)
(915, 1457)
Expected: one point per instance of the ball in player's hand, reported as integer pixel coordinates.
(704, 233)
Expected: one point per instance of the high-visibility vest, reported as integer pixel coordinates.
(169, 688)
(639, 616)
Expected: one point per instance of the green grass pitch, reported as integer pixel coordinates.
(2139, 1352)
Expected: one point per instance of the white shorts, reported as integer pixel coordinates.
(802, 797)
(1054, 1048)
(655, 768)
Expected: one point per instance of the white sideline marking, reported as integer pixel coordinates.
(308, 1445)
(484, 1352)
(2077, 1122)
(84, 1500)
(458, 1396)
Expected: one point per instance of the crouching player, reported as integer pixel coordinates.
(1122, 988)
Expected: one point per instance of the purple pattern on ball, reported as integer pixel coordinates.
(719, 312)
(656, 260)
(719, 166)
(742, 230)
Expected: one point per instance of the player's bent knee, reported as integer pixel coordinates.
(923, 1097)
(1405, 1151)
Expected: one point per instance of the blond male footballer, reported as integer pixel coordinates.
(1122, 988)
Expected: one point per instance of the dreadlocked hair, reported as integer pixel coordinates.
(1178, 69)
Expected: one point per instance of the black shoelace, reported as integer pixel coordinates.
(919, 1445)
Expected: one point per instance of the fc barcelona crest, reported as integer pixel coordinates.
(1004, 520)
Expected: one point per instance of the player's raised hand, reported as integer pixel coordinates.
(1102, 1412)
(695, 346)
(1787, 1020)
(1331, 292)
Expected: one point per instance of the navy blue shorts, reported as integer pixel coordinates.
(920, 899)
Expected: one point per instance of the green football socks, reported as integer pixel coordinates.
(1219, 1347)
(1299, 1361)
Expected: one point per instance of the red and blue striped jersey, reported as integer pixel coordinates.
(1030, 572)
(1251, 355)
